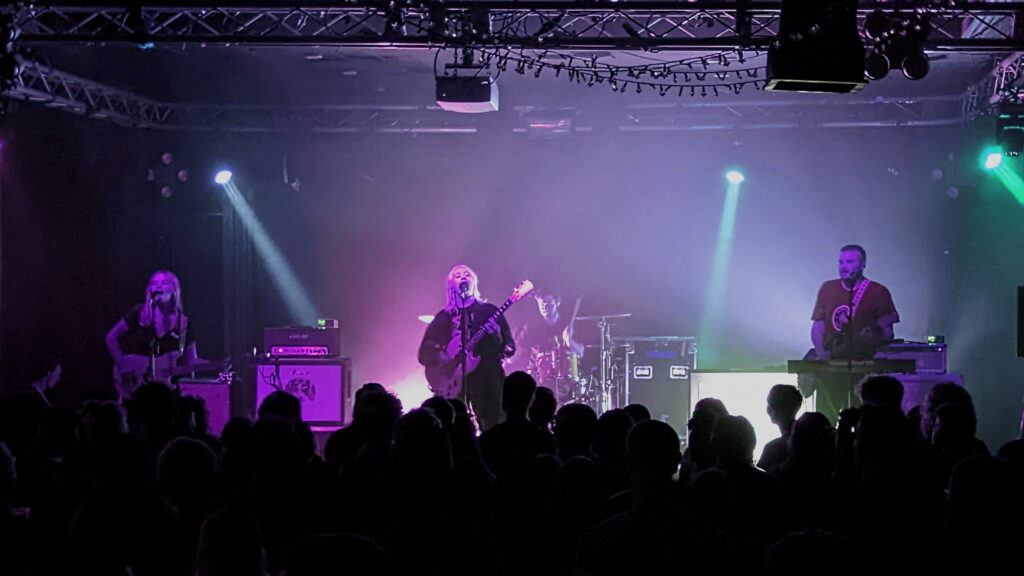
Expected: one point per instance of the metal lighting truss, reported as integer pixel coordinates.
(669, 25)
(57, 89)
(528, 25)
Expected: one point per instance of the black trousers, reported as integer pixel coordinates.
(484, 392)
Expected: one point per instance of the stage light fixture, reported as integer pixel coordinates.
(222, 177)
(818, 48)
(735, 177)
(10, 68)
(876, 66)
(467, 86)
(10, 63)
(876, 25)
(915, 66)
(467, 94)
(1010, 128)
(896, 41)
(993, 160)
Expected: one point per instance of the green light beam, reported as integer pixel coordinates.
(1013, 182)
(718, 281)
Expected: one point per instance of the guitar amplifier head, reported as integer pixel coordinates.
(931, 358)
(302, 342)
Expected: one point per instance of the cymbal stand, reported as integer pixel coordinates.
(604, 395)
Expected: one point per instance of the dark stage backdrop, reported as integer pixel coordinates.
(82, 229)
(630, 221)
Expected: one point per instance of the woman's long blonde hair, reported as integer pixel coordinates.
(452, 297)
(146, 317)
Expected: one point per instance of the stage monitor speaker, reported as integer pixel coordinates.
(917, 386)
(1020, 321)
(217, 397)
(658, 375)
(321, 385)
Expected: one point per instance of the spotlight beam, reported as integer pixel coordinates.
(711, 317)
(1011, 180)
(296, 298)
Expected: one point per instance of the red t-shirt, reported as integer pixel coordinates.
(874, 311)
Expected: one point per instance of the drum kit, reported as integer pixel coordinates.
(603, 386)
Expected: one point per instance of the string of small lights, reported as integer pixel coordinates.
(702, 75)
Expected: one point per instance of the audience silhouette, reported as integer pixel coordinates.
(653, 537)
(784, 401)
(145, 488)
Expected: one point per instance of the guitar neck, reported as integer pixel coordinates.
(481, 332)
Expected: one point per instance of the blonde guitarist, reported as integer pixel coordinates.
(467, 318)
(153, 340)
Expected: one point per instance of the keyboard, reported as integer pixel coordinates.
(863, 367)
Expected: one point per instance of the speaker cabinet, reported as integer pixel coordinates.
(917, 386)
(321, 385)
(658, 376)
(217, 397)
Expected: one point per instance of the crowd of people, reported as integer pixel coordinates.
(142, 487)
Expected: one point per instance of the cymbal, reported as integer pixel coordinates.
(654, 339)
(604, 316)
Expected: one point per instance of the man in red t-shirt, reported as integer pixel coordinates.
(835, 335)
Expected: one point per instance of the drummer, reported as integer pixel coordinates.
(552, 350)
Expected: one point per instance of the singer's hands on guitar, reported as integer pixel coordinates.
(491, 326)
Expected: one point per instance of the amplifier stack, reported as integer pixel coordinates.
(306, 362)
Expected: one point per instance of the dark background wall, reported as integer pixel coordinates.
(82, 230)
(627, 220)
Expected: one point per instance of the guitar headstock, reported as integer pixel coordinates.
(524, 288)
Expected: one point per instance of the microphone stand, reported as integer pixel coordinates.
(848, 328)
(464, 336)
(152, 343)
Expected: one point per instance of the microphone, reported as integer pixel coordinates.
(852, 279)
(463, 289)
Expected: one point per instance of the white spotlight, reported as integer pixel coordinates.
(734, 176)
(223, 177)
